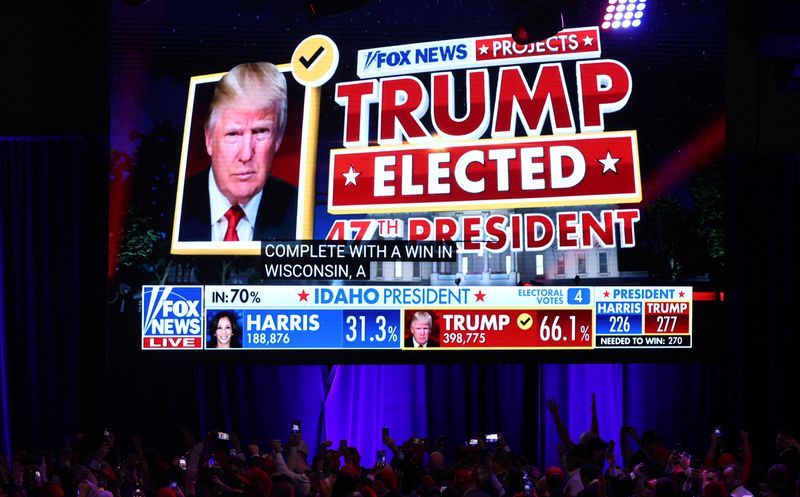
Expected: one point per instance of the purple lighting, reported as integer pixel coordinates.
(6, 439)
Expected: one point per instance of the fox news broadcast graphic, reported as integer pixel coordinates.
(383, 317)
(572, 183)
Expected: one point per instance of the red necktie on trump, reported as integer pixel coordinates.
(234, 214)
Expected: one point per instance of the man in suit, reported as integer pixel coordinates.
(236, 199)
(421, 327)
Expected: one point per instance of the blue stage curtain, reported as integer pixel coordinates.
(470, 400)
(48, 185)
(5, 407)
(675, 400)
(258, 403)
(571, 386)
(363, 399)
(460, 401)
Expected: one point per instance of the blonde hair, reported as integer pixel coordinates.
(422, 316)
(258, 84)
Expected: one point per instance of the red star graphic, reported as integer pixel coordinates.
(681, 293)
(303, 296)
(605, 294)
(479, 296)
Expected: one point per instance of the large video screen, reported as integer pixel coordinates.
(387, 181)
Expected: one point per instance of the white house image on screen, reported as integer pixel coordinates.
(506, 268)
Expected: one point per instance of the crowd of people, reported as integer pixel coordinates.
(220, 466)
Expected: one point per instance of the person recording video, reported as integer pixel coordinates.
(236, 198)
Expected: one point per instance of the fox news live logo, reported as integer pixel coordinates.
(172, 317)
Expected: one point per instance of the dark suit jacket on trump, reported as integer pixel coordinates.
(431, 342)
(276, 218)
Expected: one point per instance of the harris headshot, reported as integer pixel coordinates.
(236, 198)
(421, 328)
(224, 331)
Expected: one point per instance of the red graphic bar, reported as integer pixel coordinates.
(599, 168)
(515, 328)
(708, 296)
(583, 42)
(666, 317)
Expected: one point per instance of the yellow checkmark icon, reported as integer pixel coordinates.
(524, 321)
(315, 60)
